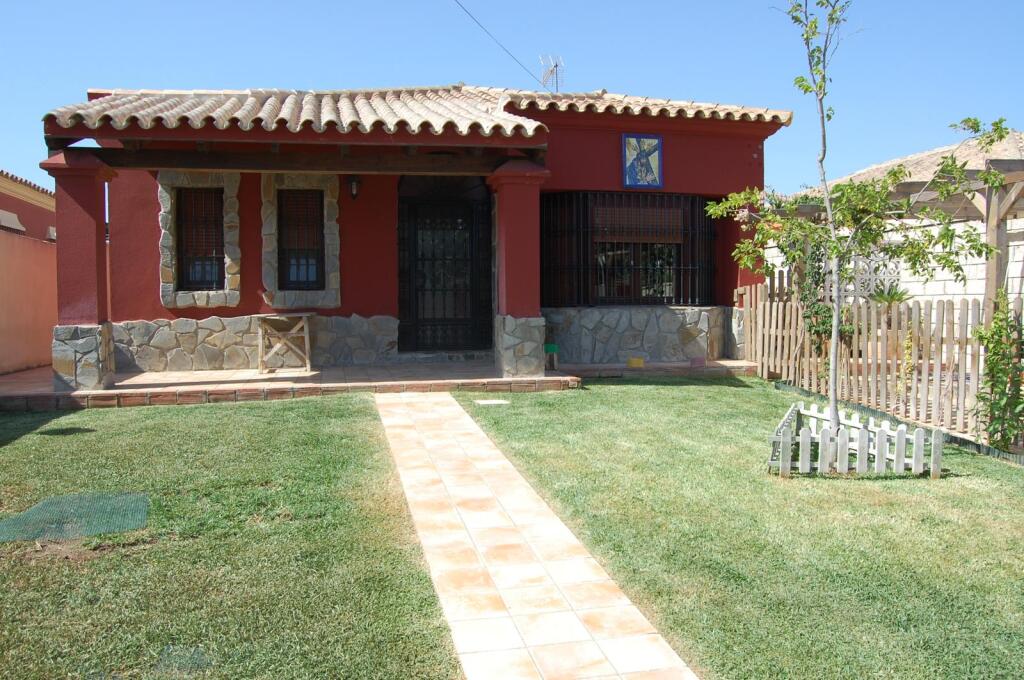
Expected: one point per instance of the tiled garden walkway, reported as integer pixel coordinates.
(524, 598)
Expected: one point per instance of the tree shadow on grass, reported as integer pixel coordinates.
(14, 426)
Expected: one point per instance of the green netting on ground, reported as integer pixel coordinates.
(83, 514)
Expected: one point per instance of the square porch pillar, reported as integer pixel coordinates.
(518, 324)
(82, 344)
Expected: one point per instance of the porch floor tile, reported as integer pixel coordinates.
(523, 597)
(33, 389)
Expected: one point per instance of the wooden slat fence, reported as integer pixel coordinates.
(918, 361)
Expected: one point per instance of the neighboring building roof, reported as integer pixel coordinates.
(922, 166)
(24, 182)
(461, 107)
(26, 191)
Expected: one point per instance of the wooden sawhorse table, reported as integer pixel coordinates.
(277, 340)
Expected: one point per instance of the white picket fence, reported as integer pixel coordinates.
(861, 447)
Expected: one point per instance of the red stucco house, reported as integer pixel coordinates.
(417, 223)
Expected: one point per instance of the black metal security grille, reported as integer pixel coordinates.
(300, 239)
(618, 248)
(444, 259)
(199, 217)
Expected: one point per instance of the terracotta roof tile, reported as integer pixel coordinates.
(434, 109)
(601, 101)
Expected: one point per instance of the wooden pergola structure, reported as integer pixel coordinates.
(991, 206)
(980, 203)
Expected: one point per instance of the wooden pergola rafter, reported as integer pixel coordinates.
(991, 206)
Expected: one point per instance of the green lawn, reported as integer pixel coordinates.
(278, 546)
(750, 576)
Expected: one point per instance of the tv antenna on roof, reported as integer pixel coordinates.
(553, 67)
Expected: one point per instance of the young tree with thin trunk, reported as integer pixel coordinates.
(821, 233)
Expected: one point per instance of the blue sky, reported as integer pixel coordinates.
(906, 69)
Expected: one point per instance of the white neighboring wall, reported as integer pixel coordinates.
(942, 285)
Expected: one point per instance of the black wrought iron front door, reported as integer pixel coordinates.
(444, 275)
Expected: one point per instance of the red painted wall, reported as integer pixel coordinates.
(704, 157)
(709, 158)
(35, 219)
(369, 249)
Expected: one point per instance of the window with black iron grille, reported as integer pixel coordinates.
(300, 239)
(625, 248)
(199, 217)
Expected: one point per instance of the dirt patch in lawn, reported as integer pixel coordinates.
(76, 551)
(47, 552)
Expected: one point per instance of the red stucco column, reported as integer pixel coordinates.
(81, 239)
(516, 186)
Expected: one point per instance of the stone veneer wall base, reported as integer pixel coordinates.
(233, 343)
(519, 346)
(656, 333)
(83, 356)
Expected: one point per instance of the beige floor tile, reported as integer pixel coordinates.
(486, 635)
(640, 653)
(572, 660)
(576, 570)
(458, 538)
(511, 553)
(520, 575)
(466, 606)
(550, 628)
(534, 599)
(594, 594)
(461, 478)
(429, 522)
(489, 504)
(470, 492)
(442, 557)
(456, 580)
(485, 519)
(614, 622)
(496, 536)
(557, 549)
(515, 664)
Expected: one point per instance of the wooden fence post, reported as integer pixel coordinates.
(918, 464)
(825, 450)
(785, 452)
(899, 462)
(843, 451)
(937, 438)
(805, 450)
(862, 450)
(881, 450)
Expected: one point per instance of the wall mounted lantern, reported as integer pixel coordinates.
(353, 185)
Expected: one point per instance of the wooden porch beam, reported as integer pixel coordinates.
(379, 164)
(60, 143)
